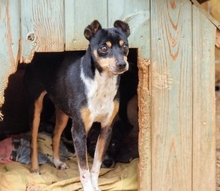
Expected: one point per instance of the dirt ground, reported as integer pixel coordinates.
(218, 141)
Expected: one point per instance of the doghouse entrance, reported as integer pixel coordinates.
(16, 118)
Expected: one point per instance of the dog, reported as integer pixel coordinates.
(84, 88)
(120, 130)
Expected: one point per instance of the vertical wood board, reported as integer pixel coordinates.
(42, 27)
(78, 15)
(203, 103)
(144, 138)
(137, 14)
(171, 87)
(9, 37)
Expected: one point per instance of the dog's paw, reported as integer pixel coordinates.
(35, 171)
(95, 183)
(62, 166)
(59, 164)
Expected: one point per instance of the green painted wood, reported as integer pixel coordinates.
(9, 38)
(203, 103)
(42, 27)
(137, 14)
(171, 89)
(78, 15)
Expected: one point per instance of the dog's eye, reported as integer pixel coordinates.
(125, 48)
(103, 49)
(113, 145)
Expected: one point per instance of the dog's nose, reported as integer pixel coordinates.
(121, 65)
(109, 163)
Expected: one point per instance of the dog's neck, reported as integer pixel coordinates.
(96, 78)
(101, 89)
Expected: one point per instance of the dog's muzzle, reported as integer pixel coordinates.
(121, 67)
(108, 162)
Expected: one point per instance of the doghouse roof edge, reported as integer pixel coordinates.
(211, 19)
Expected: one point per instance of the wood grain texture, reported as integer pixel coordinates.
(171, 87)
(137, 14)
(78, 15)
(9, 38)
(42, 27)
(203, 103)
(144, 138)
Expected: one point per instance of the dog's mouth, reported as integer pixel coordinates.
(118, 70)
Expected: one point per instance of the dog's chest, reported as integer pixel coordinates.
(100, 94)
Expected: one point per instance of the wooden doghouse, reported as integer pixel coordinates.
(175, 41)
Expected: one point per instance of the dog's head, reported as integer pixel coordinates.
(109, 47)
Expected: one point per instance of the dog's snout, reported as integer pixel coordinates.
(121, 65)
(109, 163)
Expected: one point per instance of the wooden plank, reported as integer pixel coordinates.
(42, 27)
(137, 14)
(9, 38)
(78, 15)
(203, 103)
(217, 39)
(171, 88)
(144, 138)
(206, 14)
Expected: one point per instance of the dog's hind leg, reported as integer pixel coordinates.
(38, 106)
(61, 122)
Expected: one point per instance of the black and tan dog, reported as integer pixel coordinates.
(84, 88)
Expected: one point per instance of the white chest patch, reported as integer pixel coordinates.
(100, 95)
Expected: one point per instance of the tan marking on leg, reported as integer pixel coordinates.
(101, 143)
(38, 106)
(109, 44)
(61, 122)
(114, 113)
(86, 117)
(121, 42)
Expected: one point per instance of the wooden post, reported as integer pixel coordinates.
(203, 103)
(171, 88)
(183, 101)
(42, 27)
(9, 38)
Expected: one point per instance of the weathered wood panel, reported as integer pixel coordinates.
(144, 139)
(171, 87)
(78, 15)
(203, 103)
(137, 15)
(42, 27)
(9, 38)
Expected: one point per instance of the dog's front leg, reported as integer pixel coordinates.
(102, 143)
(101, 147)
(80, 145)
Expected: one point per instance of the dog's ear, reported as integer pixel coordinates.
(91, 29)
(123, 26)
